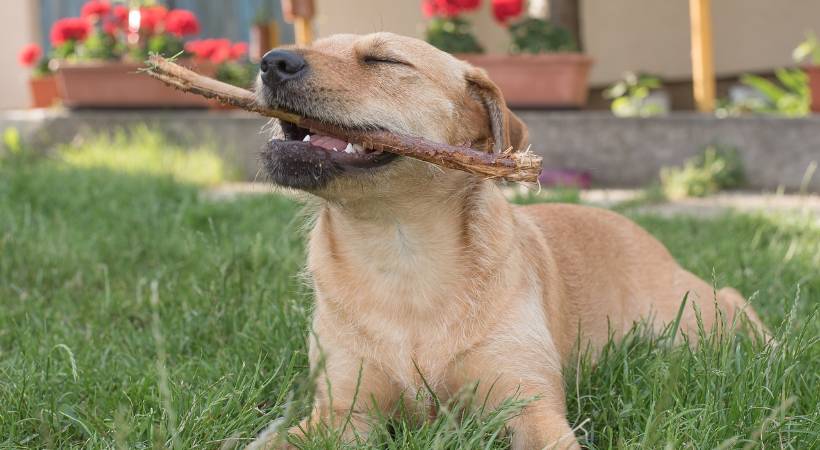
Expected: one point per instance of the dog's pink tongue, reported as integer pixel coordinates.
(328, 142)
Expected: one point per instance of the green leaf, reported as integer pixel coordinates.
(12, 141)
(452, 35)
(808, 49)
(764, 86)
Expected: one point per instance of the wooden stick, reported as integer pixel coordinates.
(509, 165)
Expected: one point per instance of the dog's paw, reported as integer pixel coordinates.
(271, 438)
(273, 442)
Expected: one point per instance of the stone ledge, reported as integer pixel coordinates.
(618, 152)
(630, 152)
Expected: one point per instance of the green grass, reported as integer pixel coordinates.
(135, 313)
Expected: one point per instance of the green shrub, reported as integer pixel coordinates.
(717, 168)
(241, 74)
(532, 35)
(629, 96)
(452, 35)
(13, 149)
(789, 96)
(12, 142)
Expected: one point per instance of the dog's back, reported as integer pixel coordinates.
(615, 274)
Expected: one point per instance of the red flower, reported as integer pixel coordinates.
(238, 50)
(151, 18)
(503, 10)
(117, 21)
(201, 49)
(221, 52)
(69, 29)
(181, 22)
(448, 8)
(29, 55)
(468, 5)
(94, 9)
(119, 17)
(215, 50)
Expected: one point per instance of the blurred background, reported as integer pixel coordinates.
(613, 92)
(750, 36)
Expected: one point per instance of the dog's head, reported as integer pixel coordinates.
(378, 81)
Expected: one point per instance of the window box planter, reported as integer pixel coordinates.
(546, 80)
(814, 86)
(107, 84)
(44, 92)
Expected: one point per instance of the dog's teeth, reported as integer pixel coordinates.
(358, 148)
(349, 148)
(335, 149)
(306, 139)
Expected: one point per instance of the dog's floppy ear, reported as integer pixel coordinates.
(508, 130)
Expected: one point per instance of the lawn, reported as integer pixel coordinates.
(136, 313)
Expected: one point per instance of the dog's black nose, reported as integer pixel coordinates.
(281, 65)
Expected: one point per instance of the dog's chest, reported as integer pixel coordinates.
(414, 354)
(398, 297)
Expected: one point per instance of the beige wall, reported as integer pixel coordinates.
(397, 16)
(19, 25)
(646, 35)
(653, 35)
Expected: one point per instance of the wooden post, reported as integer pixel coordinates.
(300, 13)
(703, 64)
(303, 31)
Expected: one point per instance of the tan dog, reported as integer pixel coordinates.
(420, 271)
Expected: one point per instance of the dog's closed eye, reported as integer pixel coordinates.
(379, 59)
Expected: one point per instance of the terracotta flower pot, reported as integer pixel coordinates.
(814, 87)
(44, 92)
(547, 80)
(106, 84)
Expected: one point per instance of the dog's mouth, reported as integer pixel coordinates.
(337, 150)
(309, 160)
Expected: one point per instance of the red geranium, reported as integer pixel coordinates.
(94, 9)
(119, 17)
(504, 10)
(238, 50)
(29, 55)
(181, 22)
(110, 28)
(69, 29)
(216, 51)
(221, 52)
(201, 49)
(152, 17)
(448, 8)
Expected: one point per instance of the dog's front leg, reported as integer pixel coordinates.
(347, 389)
(507, 370)
(348, 423)
(542, 424)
